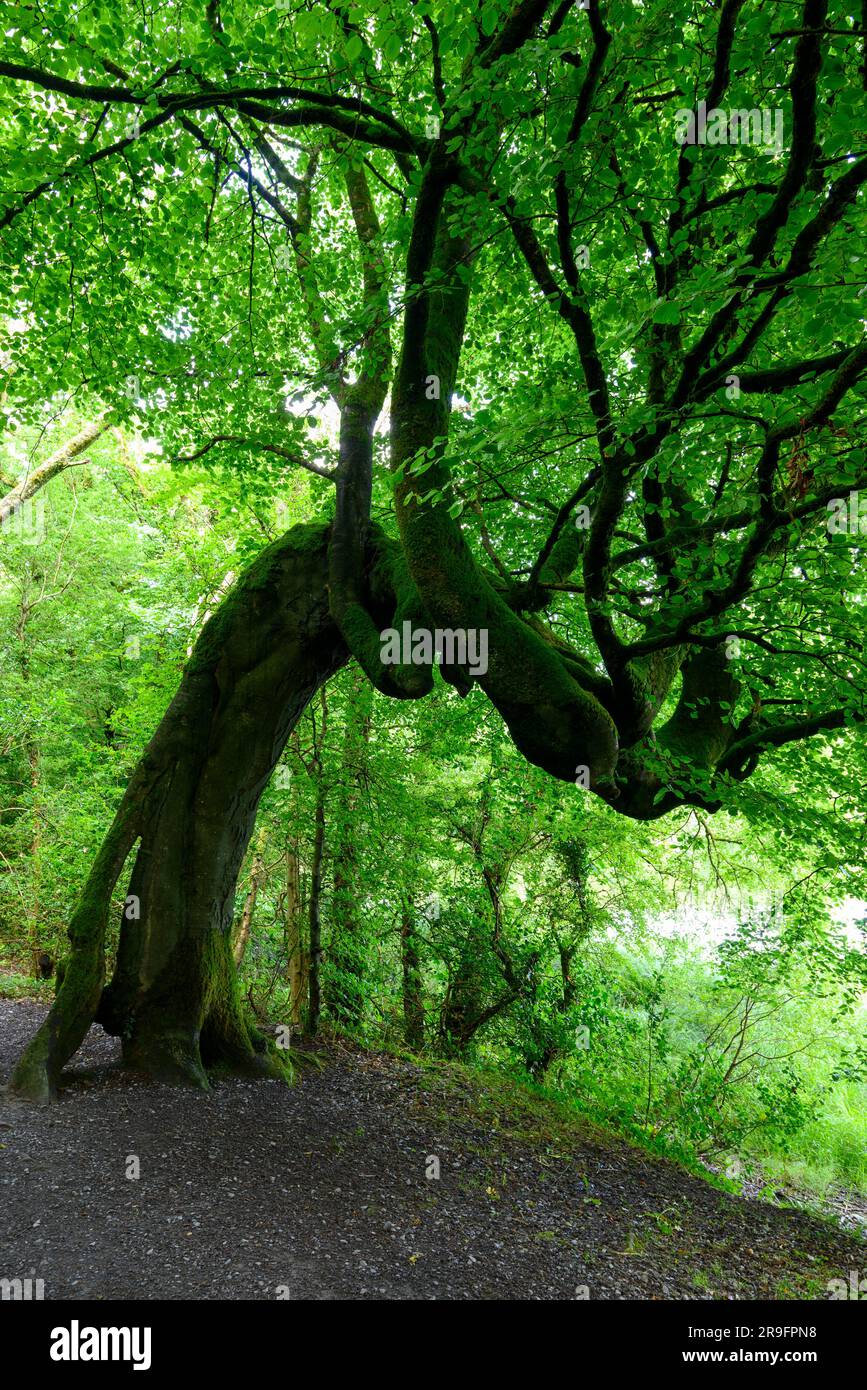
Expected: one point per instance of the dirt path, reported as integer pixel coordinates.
(319, 1191)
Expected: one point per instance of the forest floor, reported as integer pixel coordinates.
(320, 1191)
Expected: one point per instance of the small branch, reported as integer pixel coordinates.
(246, 443)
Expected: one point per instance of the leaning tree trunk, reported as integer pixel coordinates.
(190, 808)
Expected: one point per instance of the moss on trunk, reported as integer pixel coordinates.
(191, 806)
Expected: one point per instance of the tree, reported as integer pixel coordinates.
(646, 556)
(346, 1003)
(61, 459)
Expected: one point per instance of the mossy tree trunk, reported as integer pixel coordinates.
(190, 809)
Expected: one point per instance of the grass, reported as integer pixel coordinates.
(14, 985)
(832, 1150)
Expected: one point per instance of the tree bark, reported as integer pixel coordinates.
(190, 808)
(346, 950)
(317, 771)
(315, 1001)
(245, 926)
(296, 954)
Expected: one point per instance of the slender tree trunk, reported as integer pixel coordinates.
(544, 1051)
(346, 950)
(33, 942)
(245, 926)
(413, 996)
(296, 954)
(463, 1007)
(314, 1009)
(190, 808)
(31, 748)
(315, 1002)
(575, 857)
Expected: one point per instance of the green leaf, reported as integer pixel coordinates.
(666, 313)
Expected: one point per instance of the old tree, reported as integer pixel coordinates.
(590, 389)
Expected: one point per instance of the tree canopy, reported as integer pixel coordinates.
(208, 216)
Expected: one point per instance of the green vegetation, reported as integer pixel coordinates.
(320, 320)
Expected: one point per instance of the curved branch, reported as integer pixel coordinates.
(249, 443)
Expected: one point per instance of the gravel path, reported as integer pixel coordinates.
(319, 1191)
